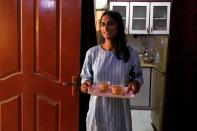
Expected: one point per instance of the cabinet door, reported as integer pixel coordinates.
(160, 18)
(157, 98)
(142, 98)
(123, 9)
(139, 18)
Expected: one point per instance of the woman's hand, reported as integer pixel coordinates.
(85, 86)
(134, 86)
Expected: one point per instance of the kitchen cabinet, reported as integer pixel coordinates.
(142, 98)
(149, 17)
(144, 17)
(123, 9)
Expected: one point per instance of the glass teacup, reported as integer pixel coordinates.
(104, 86)
(116, 89)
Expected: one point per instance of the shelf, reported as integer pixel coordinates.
(139, 18)
(159, 19)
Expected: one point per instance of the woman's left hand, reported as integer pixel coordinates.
(134, 86)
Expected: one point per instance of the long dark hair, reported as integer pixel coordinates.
(120, 41)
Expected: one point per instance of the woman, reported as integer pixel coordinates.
(118, 63)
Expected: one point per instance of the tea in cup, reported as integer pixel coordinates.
(116, 89)
(104, 86)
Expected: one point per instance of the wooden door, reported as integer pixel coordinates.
(39, 56)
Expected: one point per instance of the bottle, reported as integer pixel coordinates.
(162, 43)
(157, 58)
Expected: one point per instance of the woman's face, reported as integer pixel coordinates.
(108, 27)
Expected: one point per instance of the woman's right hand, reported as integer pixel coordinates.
(85, 86)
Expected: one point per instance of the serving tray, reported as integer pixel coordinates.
(95, 90)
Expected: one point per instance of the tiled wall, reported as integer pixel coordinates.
(139, 42)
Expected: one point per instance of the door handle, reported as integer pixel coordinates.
(147, 29)
(75, 85)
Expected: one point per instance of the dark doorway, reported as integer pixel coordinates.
(88, 39)
(182, 67)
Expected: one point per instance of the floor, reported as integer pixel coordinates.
(141, 120)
